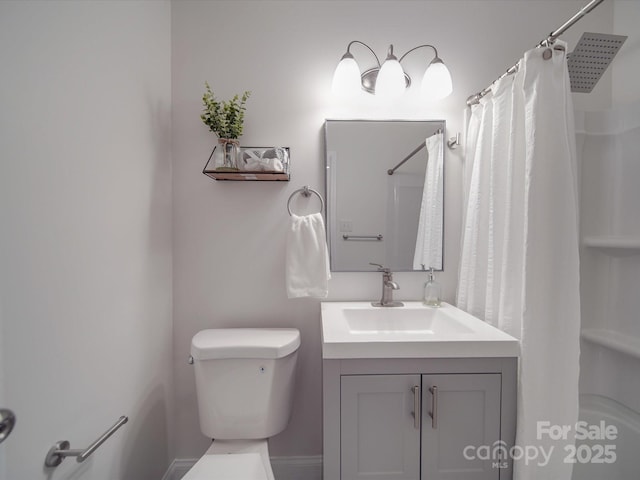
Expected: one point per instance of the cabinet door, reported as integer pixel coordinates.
(379, 438)
(460, 412)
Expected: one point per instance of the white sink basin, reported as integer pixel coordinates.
(359, 330)
(405, 320)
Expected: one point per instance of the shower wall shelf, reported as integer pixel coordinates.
(617, 341)
(614, 246)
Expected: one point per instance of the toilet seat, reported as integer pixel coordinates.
(235, 466)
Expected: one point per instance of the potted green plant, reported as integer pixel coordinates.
(226, 120)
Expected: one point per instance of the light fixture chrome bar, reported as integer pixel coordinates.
(418, 148)
(474, 99)
(420, 46)
(364, 45)
(436, 82)
(61, 449)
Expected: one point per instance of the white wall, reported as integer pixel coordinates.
(626, 65)
(229, 237)
(85, 252)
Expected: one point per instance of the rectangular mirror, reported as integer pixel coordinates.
(385, 194)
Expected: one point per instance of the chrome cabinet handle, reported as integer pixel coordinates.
(7, 421)
(434, 406)
(416, 406)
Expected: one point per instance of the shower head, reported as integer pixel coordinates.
(591, 57)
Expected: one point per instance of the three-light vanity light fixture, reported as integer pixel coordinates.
(389, 80)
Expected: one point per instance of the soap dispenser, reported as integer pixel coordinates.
(432, 291)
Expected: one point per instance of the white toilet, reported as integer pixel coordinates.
(244, 382)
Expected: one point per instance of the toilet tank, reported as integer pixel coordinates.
(244, 380)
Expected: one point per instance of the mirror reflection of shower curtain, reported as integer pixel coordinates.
(519, 262)
(428, 251)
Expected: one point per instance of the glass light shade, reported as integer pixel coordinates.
(436, 83)
(346, 78)
(390, 83)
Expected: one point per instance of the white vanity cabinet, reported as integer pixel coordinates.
(415, 393)
(371, 430)
(459, 411)
(378, 437)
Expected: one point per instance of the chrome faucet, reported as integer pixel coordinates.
(388, 286)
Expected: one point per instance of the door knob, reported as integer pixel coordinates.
(7, 421)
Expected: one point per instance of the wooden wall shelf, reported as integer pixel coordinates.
(264, 176)
(247, 175)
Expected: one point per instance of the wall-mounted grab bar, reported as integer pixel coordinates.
(61, 450)
(362, 237)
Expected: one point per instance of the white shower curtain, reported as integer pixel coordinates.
(428, 251)
(519, 267)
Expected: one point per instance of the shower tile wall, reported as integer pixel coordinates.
(609, 142)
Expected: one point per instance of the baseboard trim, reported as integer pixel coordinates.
(297, 468)
(178, 468)
(284, 468)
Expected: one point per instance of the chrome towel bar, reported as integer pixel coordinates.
(362, 237)
(61, 450)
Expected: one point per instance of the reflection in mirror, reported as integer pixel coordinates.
(385, 194)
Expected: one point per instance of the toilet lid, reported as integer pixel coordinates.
(237, 466)
(244, 343)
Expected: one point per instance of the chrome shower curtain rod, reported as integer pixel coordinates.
(474, 99)
(418, 148)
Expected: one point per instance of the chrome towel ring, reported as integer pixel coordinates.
(305, 192)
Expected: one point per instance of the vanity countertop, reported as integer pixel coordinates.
(359, 330)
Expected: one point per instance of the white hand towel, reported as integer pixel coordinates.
(307, 259)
